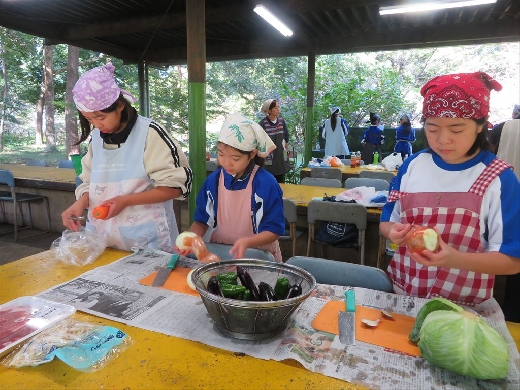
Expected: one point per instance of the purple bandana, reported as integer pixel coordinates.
(97, 89)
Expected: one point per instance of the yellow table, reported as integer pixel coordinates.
(155, 361)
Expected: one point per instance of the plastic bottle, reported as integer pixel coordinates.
(353, 160)
(358, 159)
(376, 158)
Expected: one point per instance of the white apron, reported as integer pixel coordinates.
(121, 171)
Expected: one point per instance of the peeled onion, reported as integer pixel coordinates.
(190, 283)
(181, 244)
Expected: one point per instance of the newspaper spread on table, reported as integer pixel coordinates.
(185, 316)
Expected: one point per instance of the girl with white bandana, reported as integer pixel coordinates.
(241, 200)
(131, 165)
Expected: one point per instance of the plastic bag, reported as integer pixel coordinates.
(83, 346)
(392, 162)
(79, 248)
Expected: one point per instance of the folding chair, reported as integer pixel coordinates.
(211, 166)
(344, 274)
(320, 182)
(289, 210)
(388, 176)
(326, 173)
(37, 163)
(378, 184)
(354, 213)
(65, 164)
(17, 198)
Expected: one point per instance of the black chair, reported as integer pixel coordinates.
(17, 198)
(322, 211)
(344, 274)
(65, 164)
(388, 176)
(378, 184)
(320, 182)
(291, 216)
(37, 163)
(326, 173)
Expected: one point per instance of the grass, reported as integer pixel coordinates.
(17, 150)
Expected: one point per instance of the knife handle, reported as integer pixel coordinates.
(173, 261)
(350, 298)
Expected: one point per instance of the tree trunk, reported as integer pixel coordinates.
(71, 119)
(50, 130)
(4, 98)
(39, 115)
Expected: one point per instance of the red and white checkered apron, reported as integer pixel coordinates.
(456, 216)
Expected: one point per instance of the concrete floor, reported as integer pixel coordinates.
(11, 251)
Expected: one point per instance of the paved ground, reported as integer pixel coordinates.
(11, 251)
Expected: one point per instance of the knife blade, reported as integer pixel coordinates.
(347, 319)
(164, 272)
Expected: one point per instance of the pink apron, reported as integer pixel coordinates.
(456, 216)
(234, 216)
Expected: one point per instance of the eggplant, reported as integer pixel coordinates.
(294, 291)
(247, 281)
(266, 292)
(214, 286)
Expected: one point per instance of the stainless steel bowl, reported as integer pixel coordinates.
(252, 320)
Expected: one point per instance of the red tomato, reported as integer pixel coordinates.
(100, 212)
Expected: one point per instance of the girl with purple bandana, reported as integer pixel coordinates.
(461, 189)
(131, 165)
(241, 201)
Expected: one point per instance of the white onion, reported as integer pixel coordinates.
(179, 242)
(190, 283)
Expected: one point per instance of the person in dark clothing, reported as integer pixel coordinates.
(277, 163)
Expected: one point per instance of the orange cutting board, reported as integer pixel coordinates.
(391, 334)
(176, 281)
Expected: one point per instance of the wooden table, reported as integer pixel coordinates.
(47, 180)
(155, 361)
(51, 178)
(346, 172)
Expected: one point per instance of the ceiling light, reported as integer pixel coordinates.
(430, 6)
(273, 20)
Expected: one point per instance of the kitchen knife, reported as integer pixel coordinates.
(164, 272)
(346, 319)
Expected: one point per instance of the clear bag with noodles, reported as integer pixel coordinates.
(83, 346)
(79, 248)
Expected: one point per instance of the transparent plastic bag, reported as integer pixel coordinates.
(83, 346)
(79, 248)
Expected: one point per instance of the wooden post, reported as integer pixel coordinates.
(196, 56)
(309, 127)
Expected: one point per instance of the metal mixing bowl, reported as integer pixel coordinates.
(252, 320)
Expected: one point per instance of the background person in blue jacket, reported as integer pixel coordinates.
(372, 138)
(404, 137)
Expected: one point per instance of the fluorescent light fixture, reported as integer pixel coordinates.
(273, 20)
(430, 6)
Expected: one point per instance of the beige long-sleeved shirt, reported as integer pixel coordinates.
(159, 163)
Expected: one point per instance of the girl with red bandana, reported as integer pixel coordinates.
(460, 188)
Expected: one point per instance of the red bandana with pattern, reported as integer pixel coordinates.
(462, 95)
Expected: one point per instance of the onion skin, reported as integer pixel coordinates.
(418, 237)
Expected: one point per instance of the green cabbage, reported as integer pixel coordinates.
(463, 343)
(432, 305)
